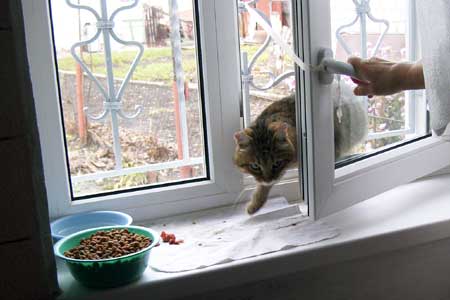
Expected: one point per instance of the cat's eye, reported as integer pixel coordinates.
(277, 164)
(254, 166)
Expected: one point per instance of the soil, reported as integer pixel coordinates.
(149, 138)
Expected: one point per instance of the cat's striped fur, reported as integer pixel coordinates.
(268, 147)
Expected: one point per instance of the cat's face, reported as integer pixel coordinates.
(264, 152)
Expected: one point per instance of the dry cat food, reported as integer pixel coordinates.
(170, 238)
(109, 244)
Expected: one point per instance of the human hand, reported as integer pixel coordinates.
(377, 76)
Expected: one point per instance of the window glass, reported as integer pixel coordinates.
(384, 29)
(268, 76)
(271, 71)
(132, 105)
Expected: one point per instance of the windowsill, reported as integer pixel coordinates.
(406, 216)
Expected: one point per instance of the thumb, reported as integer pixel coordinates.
(363, 90)
(359, 66)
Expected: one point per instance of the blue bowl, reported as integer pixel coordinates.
(74, 223)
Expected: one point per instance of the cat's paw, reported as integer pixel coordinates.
(252, 208)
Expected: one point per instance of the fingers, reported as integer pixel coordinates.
(364, 87)
(377, 60)
(374, 76)
(354, 60)
(363, 90)
(360, 69)
(357, 81)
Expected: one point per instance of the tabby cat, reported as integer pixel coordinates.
(268, 147)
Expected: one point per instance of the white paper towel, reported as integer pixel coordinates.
(434, 27)
(228, 234)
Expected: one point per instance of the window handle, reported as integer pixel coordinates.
(338, 67)
(327, 67)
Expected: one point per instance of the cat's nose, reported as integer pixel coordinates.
(268, 178)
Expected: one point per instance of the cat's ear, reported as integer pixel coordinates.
(281, 130)
(241, 138)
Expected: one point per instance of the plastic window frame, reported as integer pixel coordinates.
(330, 190)
(220, 62)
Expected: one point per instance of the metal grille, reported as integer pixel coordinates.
(112, 104)
(247, 68)
(363, 14)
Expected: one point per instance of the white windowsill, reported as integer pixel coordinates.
(408, 215)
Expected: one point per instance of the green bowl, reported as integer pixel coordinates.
(111, 272)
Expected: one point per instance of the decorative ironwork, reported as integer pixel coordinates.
(112, 103)
(363, 12)
(362, 8)
(247, 78)
(113, 100)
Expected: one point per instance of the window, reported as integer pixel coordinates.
(218, 43)
(397, 148)
(270, 72)
(131, 99)
(267, 72)
(202, 175)
(386, 30)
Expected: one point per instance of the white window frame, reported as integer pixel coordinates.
(331, 190)
(327, 190)
(220, 61)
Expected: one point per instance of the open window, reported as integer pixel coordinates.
(162, 156)
(268, 74)
(398, 147)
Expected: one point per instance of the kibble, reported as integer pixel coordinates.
(109, 244)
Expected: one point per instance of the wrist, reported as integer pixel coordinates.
(410, 76)
(415, 77)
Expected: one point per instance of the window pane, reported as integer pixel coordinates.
(144, 132)
(271, 64)
(384, 29)
(268, 76)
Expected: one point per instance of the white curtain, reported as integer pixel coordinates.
(434, 30)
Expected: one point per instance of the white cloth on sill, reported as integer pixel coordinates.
(434, 30)
(229, 234)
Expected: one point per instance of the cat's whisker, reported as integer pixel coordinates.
(238, 198)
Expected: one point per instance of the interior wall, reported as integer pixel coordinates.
(27, 267)
(418, 273)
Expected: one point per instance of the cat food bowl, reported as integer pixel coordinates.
(71, 224)
(107, 272)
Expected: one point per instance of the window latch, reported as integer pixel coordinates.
(327, 66)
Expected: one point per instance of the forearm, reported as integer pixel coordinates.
(410, 74)
(415, 77)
